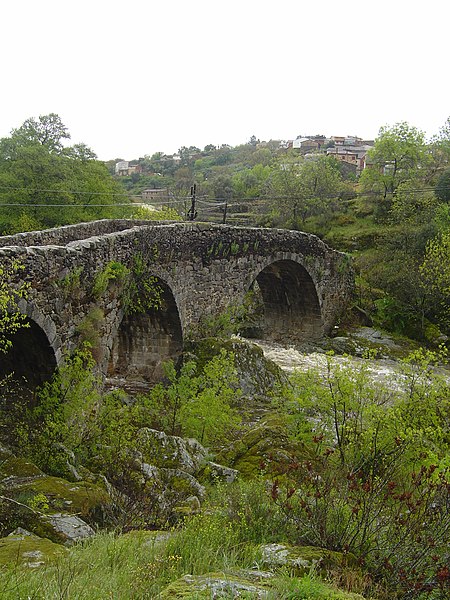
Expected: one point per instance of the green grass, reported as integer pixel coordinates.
(140, 565)
(224, 538)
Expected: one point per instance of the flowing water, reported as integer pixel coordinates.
(291, 359)
(387, 369)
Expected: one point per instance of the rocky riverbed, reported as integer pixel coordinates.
(378, 351)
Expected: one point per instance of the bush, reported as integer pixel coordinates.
(377, 484)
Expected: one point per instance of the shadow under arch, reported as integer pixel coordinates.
(31, 360)
(286, 303)
(144, 341)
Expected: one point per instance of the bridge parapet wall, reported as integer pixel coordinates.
(61, 236)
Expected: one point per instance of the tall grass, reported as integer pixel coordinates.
(225, 536)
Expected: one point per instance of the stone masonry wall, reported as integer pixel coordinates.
(206, 267)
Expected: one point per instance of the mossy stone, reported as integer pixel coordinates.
(219, 585)
(249, 584)
(29, 551)
(81, 497)
(170, 451)
(257, 375)
(18, 467)
(265, 443)
(301, 559)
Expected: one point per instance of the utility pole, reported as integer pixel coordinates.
(224, 219)
(192, 213)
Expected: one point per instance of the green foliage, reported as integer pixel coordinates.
(47, 130)
(402, 303)
(11, 320)
(113, 272)
(162, 214)
(60, 415)
(398, 153)
(36, 171)
(233, 319)
(196, 404)
(305, 188)
(89, 329)
(144, 291)
(377, 484)
(38, 502)
(71, 282)
(442, 190)
(435, 275)
(410, 206)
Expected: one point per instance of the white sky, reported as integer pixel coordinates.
(133, 78)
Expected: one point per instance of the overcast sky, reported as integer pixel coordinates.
(133, 78)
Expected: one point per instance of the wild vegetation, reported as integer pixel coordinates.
(319, 486)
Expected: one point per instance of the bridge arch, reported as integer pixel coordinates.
(288, 299)
(143, 341)
(31, 359)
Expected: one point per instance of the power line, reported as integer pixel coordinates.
(213, 202)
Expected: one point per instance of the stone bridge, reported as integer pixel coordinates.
(80, 276)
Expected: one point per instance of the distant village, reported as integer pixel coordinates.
(350, 149)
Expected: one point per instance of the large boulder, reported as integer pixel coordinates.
(67, 528)
(50, 507)
(249, 583)
(165, 476)
(172, 492)
(257, 376)
(238, 584)
(170, 451)
(264, 445)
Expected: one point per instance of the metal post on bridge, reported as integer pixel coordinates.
(192, 213)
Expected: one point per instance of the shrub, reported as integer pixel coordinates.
(197, 404)
(377, 484)
(113, 271)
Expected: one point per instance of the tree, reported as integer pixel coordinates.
(251, 183)
(196, 402)
(46, 130)
(435, 274)
(439, 149)
(188, 155)
(209, 148)
(305, 187)
(442, 189)
(43, 184)
(222, 188)
(412, 205)
(396, 156)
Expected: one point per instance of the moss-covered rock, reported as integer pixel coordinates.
(302, 559)
(213, 472)
(25, 549)
(13, 466)
(257, 376)
(82, 497)
(251, 584)
(170, 451)
(265, 443)
(170, 492)
(66, 529)
(46, 505)
(245, 584)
